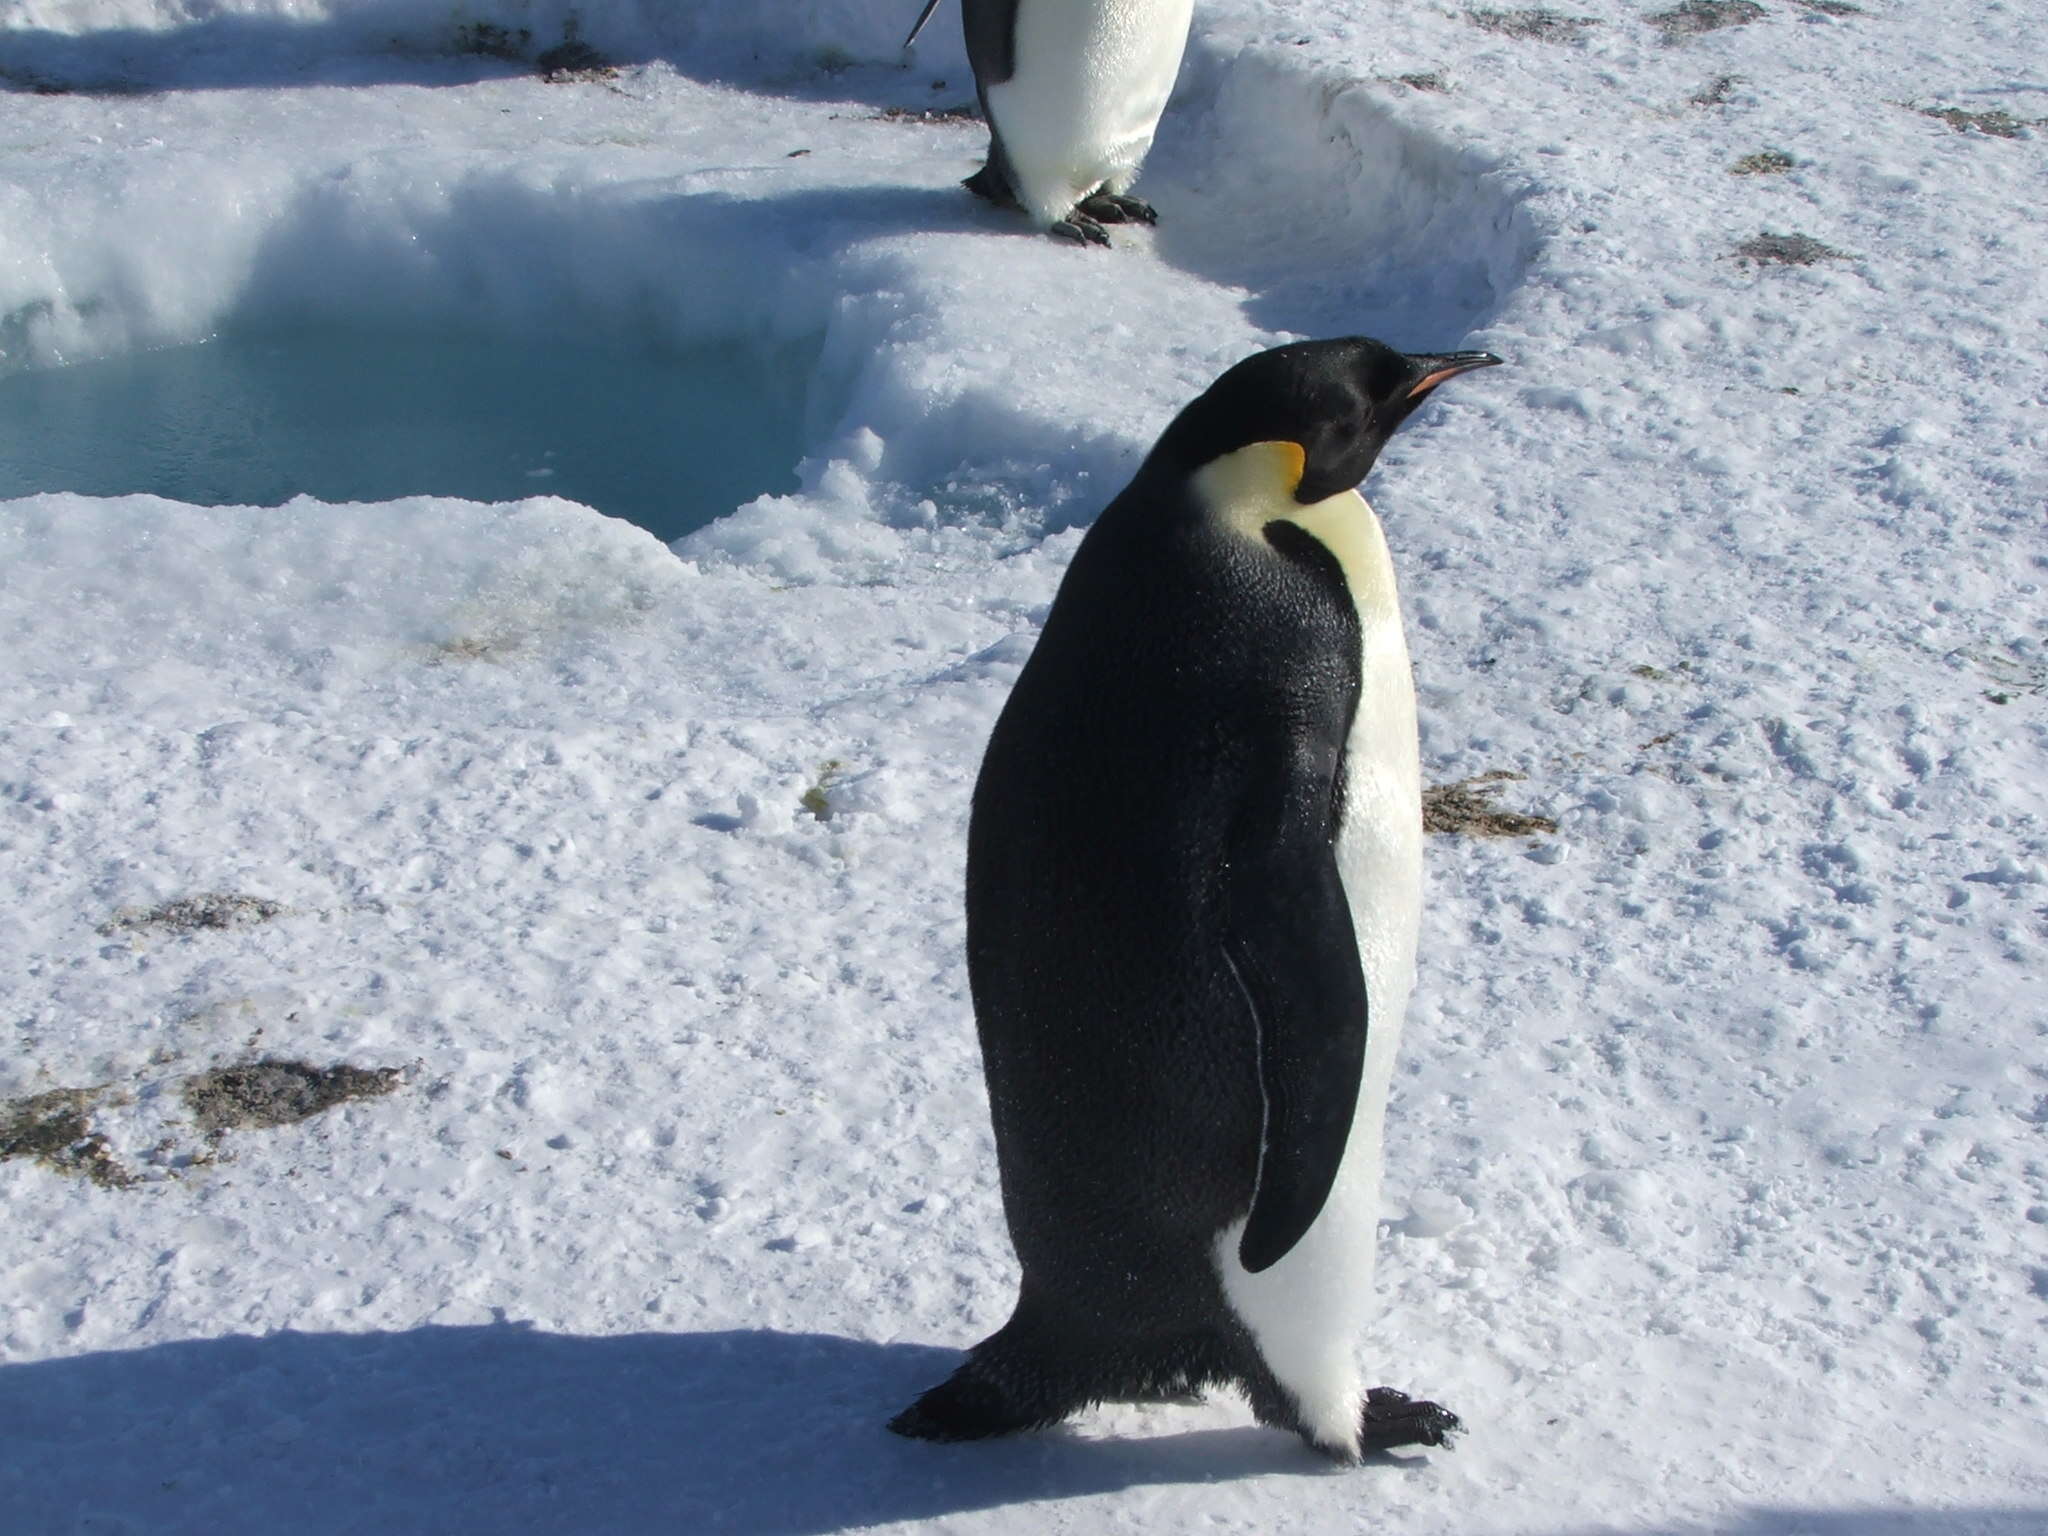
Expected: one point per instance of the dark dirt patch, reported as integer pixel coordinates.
(818, 798)
(189, 914)
(1765, 162)
(487, 40)
(966, 112)
(1466, 809)
(26, 80)
(2015, 674)
(1715, 92)
(1998, 123)
(494, 647)
(574, 59)
(1544, 26)
(260, 1095)
(1434, 83)
(1696, 17)
(1769, 250)
(54, 1128)
(46, 85)
(1829, 7)
(571, 61)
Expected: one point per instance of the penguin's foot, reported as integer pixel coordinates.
(1080, 229)
(1393, 1419)
(990, 185)
(955, 1410)
(968, 1407)
(1115, 208)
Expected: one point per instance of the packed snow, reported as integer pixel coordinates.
(1717, 1184)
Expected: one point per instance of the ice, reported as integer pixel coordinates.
(668, 440)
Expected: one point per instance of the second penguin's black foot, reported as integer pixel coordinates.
(990, 185)
(972, 1404)
(954, 1410)
(1115, 208)
(1394, 1419)
(1080, 229)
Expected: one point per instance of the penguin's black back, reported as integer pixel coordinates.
(1183, 677)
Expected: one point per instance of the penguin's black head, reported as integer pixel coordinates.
(1337, 401)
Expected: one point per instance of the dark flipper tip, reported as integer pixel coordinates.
(1394, 1419)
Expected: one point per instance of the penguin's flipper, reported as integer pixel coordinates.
(1291, 945)
(923, 16)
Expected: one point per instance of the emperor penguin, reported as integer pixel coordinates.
(1193, 881)
(1072, 91)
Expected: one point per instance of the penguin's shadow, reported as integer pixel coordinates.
(507, 1428)
(249, 52)
(232, 53)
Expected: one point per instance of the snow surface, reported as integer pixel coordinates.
(1718, 1158)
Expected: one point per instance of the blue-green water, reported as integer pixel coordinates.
(667, 440)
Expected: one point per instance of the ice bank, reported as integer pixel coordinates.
(367, 172)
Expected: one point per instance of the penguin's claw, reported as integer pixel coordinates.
(1080, 229)
(1115, 208)
(1393, 1419)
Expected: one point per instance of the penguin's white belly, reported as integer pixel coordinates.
(1079, 109)
(1307, 1311)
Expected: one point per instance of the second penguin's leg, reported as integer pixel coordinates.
(995, 182)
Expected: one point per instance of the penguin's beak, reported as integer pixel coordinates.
(1432, 368)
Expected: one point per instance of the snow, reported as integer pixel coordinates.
(1717, 1192)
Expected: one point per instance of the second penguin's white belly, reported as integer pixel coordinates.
(1090, 80)
(1307, 1311)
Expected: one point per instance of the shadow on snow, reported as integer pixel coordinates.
(505, 1428)
(1335, 205)
(394, 46)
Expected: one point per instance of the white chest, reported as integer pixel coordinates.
(1379, 843)
(1090, 81)
(1306, 1310)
